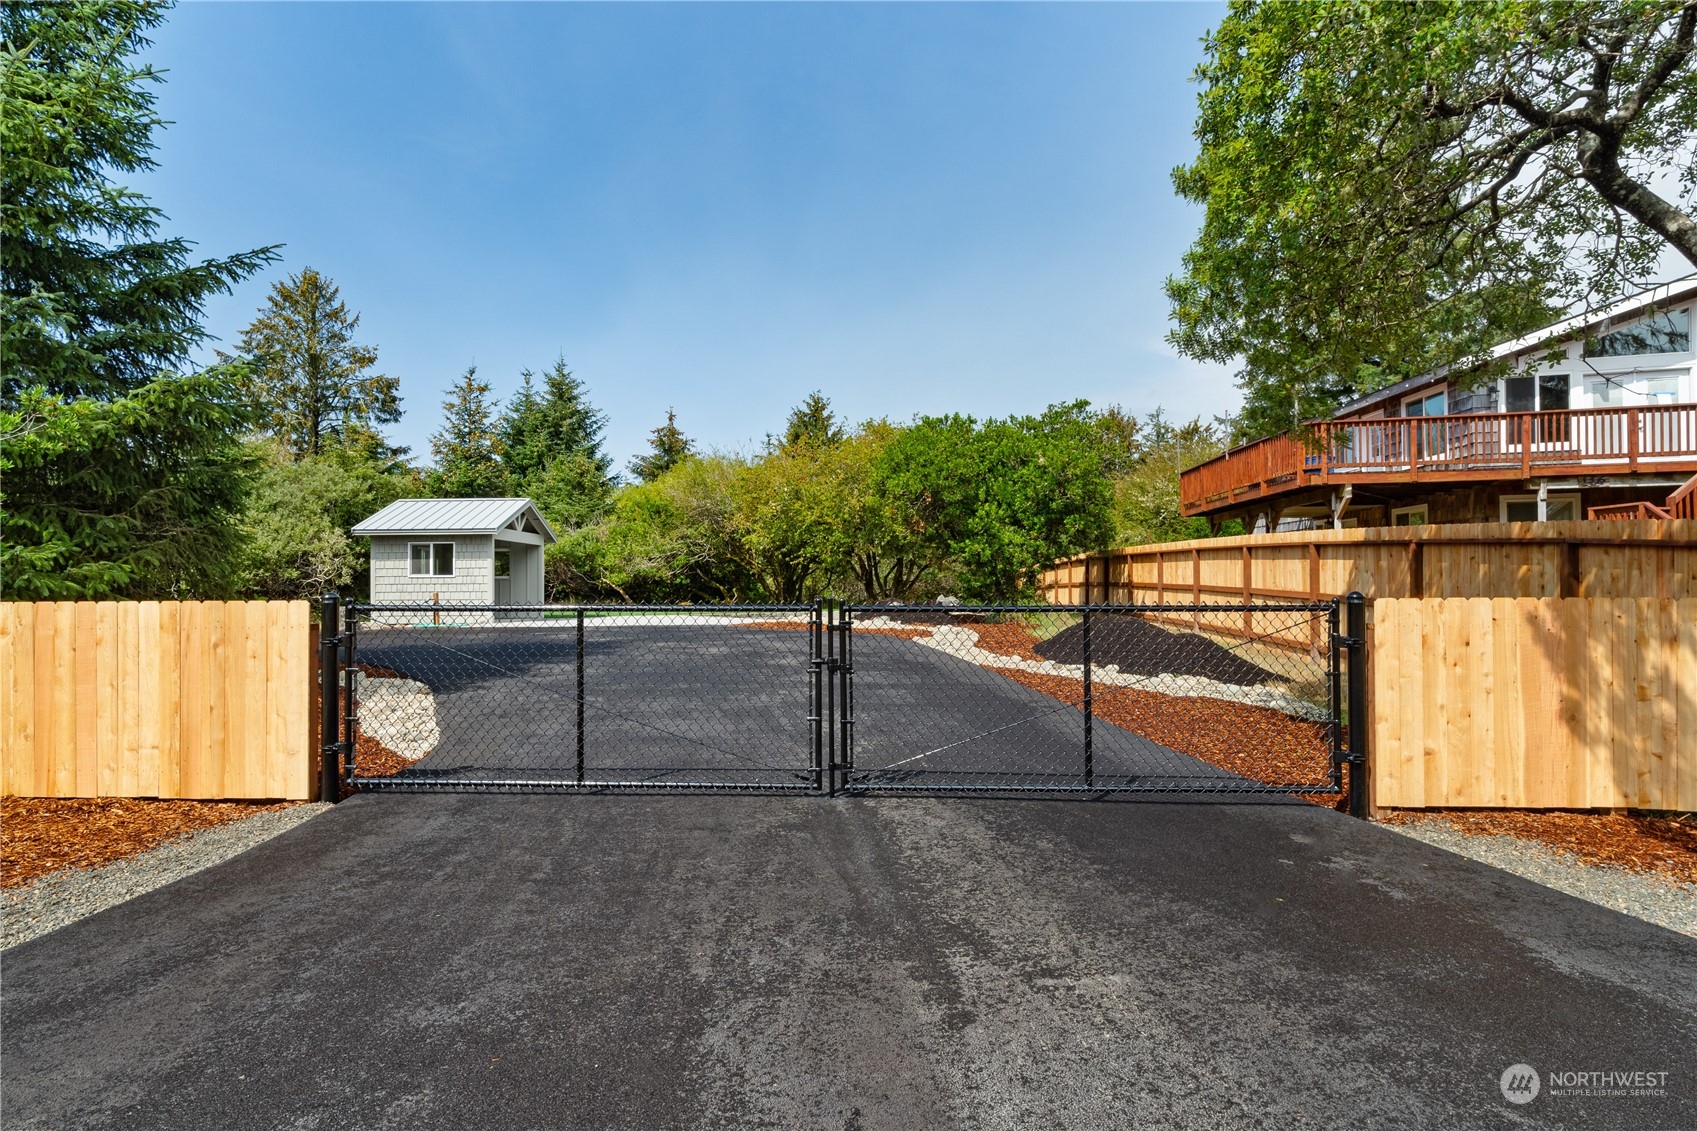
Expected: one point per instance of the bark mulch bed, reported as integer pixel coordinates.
(1258, 743)
(39, 835)
(1662, 846)
(1140, 647)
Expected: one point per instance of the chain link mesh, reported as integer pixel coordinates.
(887, 698)
(1181, 699)
(619, 697)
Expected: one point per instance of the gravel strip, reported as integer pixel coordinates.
(1666, 903)
(65, 896)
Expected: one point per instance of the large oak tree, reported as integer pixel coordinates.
(1393, 186)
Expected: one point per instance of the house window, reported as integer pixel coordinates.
(1615, 392)
(1432, 405)
(1524, 508)
(1409, 516)
(1668, 332)
(1548, 392)
(430, 559)
(1607, 392)
(503, 563)
(1661, 390)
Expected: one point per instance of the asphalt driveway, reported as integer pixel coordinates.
(703, 961)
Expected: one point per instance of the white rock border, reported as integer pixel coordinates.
(961, 642)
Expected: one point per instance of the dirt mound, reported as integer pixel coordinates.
(1139, 647)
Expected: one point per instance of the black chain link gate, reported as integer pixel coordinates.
(834, 698)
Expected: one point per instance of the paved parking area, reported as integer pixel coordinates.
(710, 961)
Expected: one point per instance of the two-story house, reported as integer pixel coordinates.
(1596, 411)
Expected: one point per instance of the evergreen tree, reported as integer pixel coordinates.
(813, 422)
(542, 425)
(467, 450)
(312, 379)
(122, 476)
(667, 448)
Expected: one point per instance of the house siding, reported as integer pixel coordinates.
(473, 582)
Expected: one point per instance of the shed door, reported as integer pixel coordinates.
(503, 577)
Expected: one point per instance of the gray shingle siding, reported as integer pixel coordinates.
(473, 582)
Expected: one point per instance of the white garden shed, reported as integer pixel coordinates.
(457, 552)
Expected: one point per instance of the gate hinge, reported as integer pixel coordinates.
(1351, 758)
(1343, 641)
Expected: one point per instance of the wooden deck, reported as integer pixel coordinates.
(1659, 439)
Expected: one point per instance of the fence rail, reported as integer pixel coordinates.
(1525, 559)
(1535, 703)
(183, 699)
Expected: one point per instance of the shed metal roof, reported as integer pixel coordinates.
(454, 516)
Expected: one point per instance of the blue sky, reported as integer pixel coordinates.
(717, 208)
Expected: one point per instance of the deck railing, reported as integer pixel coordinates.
(1626, 512)
(1597, 441)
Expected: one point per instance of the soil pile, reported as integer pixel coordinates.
(1139, 647)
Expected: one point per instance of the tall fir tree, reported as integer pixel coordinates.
(543, 424)
(122, 476)
(667, 448)
(467, 449)
(313, 381)
(813, 423)
(551, 446)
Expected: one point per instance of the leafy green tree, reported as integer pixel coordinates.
(468, 449)
(673, 538)
(1146, 494)
(312, 380)
(813, 423)
(1393, 186)
(1002, 499)
(872, 537)
(299, 516)
(122, 476)
(667, 448)
(784, 520)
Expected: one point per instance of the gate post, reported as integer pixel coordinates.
(815, 696)
(1359, 723)
(845, 677)
(329, 697)
(350, 687)
(580, 695)
(1089, 710)
(828, 710)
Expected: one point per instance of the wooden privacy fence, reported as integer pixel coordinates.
(1534, 703)
(1520, 559)
(193, 699)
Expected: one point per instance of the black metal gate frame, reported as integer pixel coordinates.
(843, 776)
(831, 768)
(339, 650)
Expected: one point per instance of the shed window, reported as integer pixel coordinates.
(430, 559)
